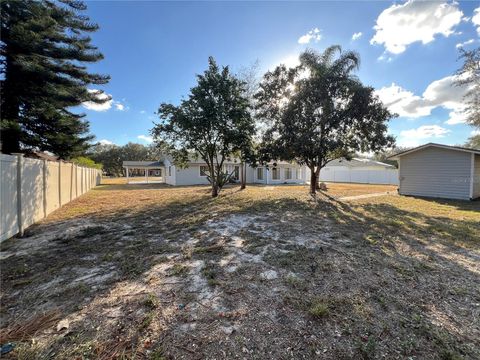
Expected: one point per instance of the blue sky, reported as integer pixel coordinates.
(408, 51)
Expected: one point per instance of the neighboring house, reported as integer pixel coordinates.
(146, 169)
(435, 170)
(358, 170)
(196, 172)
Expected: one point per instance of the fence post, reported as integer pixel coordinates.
(45, 170)
(59, 183)
(76, 181)
(19, 192)
(71, 182)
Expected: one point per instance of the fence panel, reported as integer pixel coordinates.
(42, 187)
(32, 191)
(8, 196)
(66, 171)
(386, 176)
(53, 184)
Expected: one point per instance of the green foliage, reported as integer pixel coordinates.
(473, 142)
(213, 123)
(319, 111)
(385, 154)
(85, 161)
(112, 156)
(44, 47)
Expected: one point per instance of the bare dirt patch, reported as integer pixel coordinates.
(150, 271)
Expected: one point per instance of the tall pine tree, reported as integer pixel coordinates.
(44, 48)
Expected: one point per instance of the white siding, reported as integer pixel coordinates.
(269, 178)
(170, 172)
(436, 172)
(190, 176)
(476, 177)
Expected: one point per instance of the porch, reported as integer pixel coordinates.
(144, 172)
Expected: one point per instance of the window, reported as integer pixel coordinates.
(288, 173)
(169, 171)
(299, 173)
(259, 173)
(204, 170)
(275, 174)
(236, 173)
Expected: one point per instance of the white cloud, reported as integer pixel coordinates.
(145, 138)
(475, 132)
(401, 25)
(403, 102)
(90, 105)
(142, 111)
(356, 36)
(468, 42)
(476, 19)
(384, 57)
(440, 93)
(119, 106)
(105, 142)
(425, 132)
(312, 35)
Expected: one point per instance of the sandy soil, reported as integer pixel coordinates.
(150, 271)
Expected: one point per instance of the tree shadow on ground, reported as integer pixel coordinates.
(138, 244)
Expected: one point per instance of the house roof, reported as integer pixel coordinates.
(441, 146)
(358, 162)
(143, 164)
(42, 155)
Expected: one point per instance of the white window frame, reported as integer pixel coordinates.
(286, 171)
(261, 172)
(276, 170)
(298, 173)
(200, 170)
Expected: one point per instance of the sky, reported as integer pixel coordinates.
(409, 54)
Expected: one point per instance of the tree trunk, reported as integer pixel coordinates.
(313, 181)
(317, 176)
(214, 190)
(243, 180)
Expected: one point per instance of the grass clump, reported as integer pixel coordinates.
(319, 308)
(211, 272)
(179, 270)
(151, 301)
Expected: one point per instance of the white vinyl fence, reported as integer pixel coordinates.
(30, 189)
(386, 176)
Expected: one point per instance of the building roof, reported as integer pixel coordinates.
(441, 146)
(143, 164)
(42, 155)
(358, 162)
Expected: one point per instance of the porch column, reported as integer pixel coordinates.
(128, 180)
(146, 175)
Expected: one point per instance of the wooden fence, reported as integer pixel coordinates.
(30, 189)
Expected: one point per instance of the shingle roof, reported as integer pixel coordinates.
(144, 164)
(457, 148)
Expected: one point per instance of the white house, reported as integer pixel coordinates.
(435, 170)
(196, 173)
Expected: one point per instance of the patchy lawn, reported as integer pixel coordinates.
(151, 271)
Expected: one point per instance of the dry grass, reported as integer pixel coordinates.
(151, 271)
